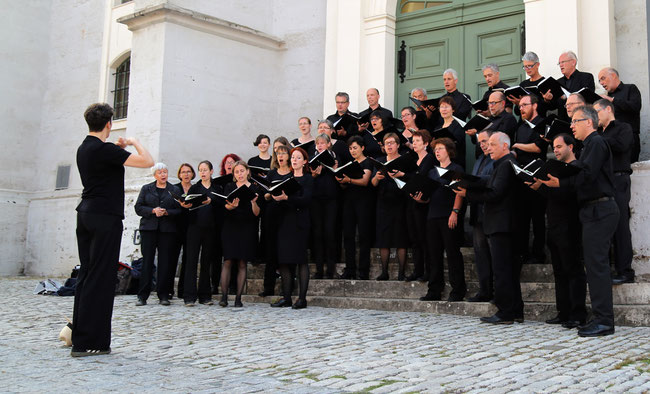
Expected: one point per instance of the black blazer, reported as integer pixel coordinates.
(148, 199)
(498, 198)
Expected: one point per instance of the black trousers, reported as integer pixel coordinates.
(416, 221)
(270, 223)
(622, 236)
(598, 226)
(323, 230)
(636, 148)
(215, 266)
(180, 243)
(199, 241)
(358, 214)
(483, 262)
(164, 243)
(443, 239)
(570, 280)
(98, 240)
(507, 289)
(531, 207)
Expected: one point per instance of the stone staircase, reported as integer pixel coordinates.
(631, 301)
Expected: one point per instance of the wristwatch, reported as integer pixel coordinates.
(456, 210)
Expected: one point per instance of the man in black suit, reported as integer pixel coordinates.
(501, 119)
(494, 83)
(498, 197)
(573, 80)
(619, 138)
(462, 100)
(343, 131)
(626, 99)
(483, 168)
(563, 239)
(528, 146)
(594, 187)
(372, 96)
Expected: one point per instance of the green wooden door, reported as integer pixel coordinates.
(463, 35)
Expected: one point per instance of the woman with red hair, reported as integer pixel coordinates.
(228, 163)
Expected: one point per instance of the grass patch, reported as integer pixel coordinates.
(643, 368)
(339, 377)
(384, 382)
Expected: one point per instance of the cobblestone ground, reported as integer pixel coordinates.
(261, 349)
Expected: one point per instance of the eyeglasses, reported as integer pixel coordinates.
(529, 66)
(524, 104)
(575, 121)
(494, 102)
(561, 62)
(390, 143)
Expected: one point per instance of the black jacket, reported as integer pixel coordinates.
(498, 197)
(148, 199)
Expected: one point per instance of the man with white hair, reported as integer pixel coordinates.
(626, 99)
(530, 62)
(494, 83)
(463, 106)
(572, 79)
(499, 197)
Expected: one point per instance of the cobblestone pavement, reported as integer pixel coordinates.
(262, 349)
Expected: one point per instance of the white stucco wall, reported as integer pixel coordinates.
(640, 219)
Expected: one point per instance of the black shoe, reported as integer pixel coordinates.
(281, 303)
(412, 277)
(383, 276)
(430, 297)
(266, 293)
(573, 324)
(141, 302)
(348, 275)
(455, 298)
(478, 298)
(206, 302)
(330, 276)
(318, 275)
(595, 330)
(364, 276)
(164, 301)
(494, 319)
(190, 303)
(620, 279)
(401, 277)
(224, 301)
(423, 278)
(238, 303)
(519, 319)
(556, 320)
(300, 304)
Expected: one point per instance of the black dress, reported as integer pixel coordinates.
(292, 233)
(391, 214)
(240, 227)
(259, 162)
(416, 220)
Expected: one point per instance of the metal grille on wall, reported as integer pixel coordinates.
(121, 92)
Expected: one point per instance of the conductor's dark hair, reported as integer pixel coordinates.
(448, 100)
(449, 145)
(569, 140)
(260, 138)
(206, 162)
(188, 165)
(97, 115)
(356, 139)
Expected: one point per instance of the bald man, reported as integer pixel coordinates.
(627, 104)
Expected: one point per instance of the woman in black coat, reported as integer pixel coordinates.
(292, 234)
(157, 208)
(185, 174)
(239, 233)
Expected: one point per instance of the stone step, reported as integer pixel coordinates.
(625, 315)
(627, 294)
(541, 273)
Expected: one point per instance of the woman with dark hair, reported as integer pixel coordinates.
(280, 170)
(263, 159)
(323, 213)
(408, 118)
(447, 106)
(157, 208)
(239, 233)
(201, 239)
(373, 148)
(185, 174)
(292, 234)
(226, 166)
(442, 219)
(416, 209)
(391, 211)
(358, 213)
